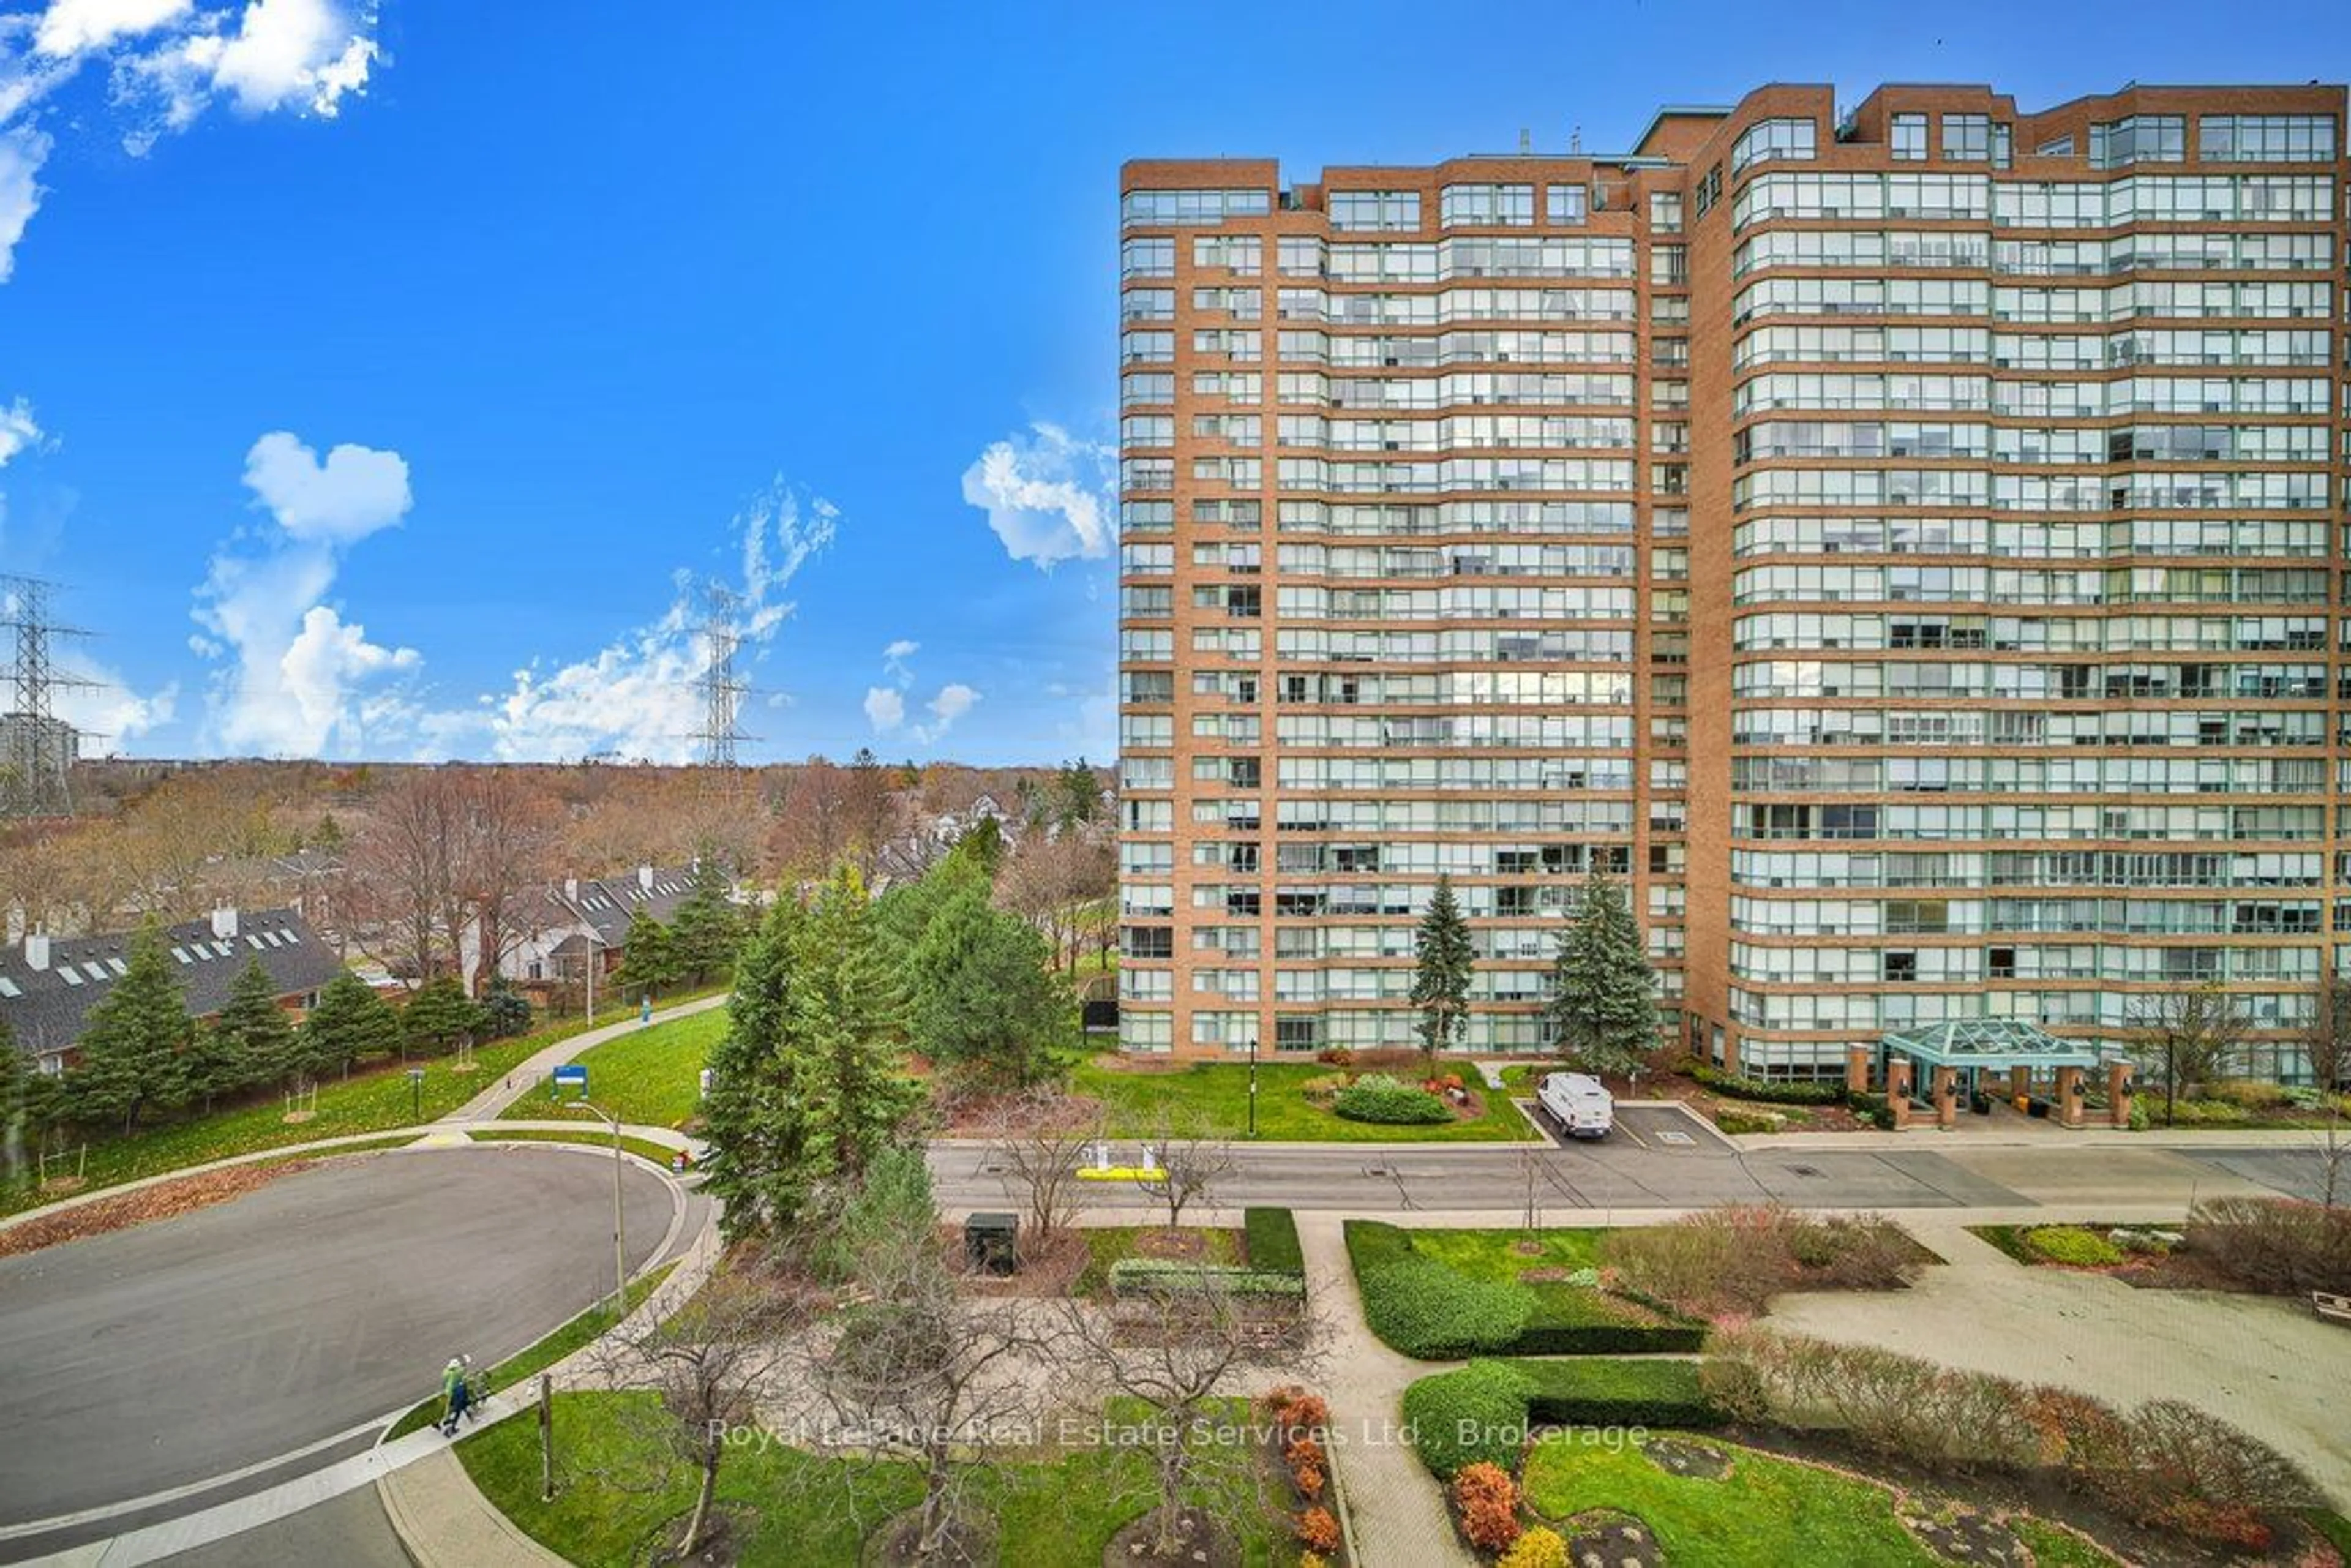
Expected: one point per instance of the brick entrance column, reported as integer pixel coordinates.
(2118, 1095)
(2020, 1082)
(1897, 1091)
(1856, 1070)
(2069, 1096)
(1946, 1096)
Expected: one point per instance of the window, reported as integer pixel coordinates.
(1167, 207)
(2137, 140)
(1967, 137)
(1485, 206)
(1666, 212)
(1387, 209)
(2061, 147)
(1768, 139)
(2266, 138)
(1564, 204)
(1709, 190)
(1669, 265)
(1910, 137)
(1147, 258)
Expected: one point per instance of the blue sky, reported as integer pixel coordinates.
(588, 293)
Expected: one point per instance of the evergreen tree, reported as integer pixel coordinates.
(349, 1021)
(132, 1040)
(842, 1024)
(254, 1032)
(1077, 793)
(505, 1012)
(1440, 977)
(440, 1015)
(901, 915)
(706, 930)
(328, 836)
(647, 964)
(1604, 995)
(756, 1165)
(981, 998)
(983, 842)
(32, 1104)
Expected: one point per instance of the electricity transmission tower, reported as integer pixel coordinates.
(722, 688)
(36, 748)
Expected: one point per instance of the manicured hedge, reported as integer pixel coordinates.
(1769, 1093)
(1390, 1101)
(1476, 1415)
(1482, 1412)
(1605, 1391)
(1423, 1308)
(1170, 1274)
(1272, 1235)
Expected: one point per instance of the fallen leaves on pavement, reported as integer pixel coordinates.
(165, 1200)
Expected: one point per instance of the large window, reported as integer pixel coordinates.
(2142, 138)
(1910, 136)
(2266, 138)
(1390, 210)
(1194, 207)
(1485, 206)
(1768, 139)
(1564, 204)
(1967, 137)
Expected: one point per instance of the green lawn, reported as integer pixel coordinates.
(649, 1077)
(1106, 1244)
(2055, 1547)
(1215, 1095)
(1769, 1513)
(1495, 1255)
(810, 1512)
(531, 1363)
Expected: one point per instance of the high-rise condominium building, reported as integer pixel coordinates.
(1903, 546)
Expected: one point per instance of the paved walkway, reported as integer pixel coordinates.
(532, 1071)
(1395, 1507)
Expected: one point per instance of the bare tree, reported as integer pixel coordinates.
(811, 826)
(1178, 1345)
(2326, 1043)
(1042, 1137)
(402, 873)
(1053, 880)
(506, 847)
(913, 1369)
(706, 1366)
(2186, 1039)
(1190, 1165)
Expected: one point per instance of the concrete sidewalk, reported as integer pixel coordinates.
(532, 1071)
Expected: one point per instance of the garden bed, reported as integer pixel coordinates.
(1439, 1294)
(1139, 1099)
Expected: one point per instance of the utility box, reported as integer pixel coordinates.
(991, 1241)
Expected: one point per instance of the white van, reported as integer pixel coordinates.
(1583, 1104)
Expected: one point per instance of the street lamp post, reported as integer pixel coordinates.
(619, 1246)
(416, 1094)
(1252, 1132)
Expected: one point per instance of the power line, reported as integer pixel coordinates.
(37, 749)
(722, 689)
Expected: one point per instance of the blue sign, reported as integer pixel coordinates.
(571, 1076)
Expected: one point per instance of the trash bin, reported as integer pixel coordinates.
(991, 1241)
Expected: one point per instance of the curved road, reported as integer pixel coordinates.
(181, 1350)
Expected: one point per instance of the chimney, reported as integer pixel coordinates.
(571, 890)
(644, 879)
(37, 950)
(224, 921)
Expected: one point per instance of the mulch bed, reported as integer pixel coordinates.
(1202, 1541)
(1960, 1534)
(1615, 1539)
(1186, 1246)
(970, 1543)
(1689, 1460)
(165, 1200)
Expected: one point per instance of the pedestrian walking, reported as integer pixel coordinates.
(456, 1393)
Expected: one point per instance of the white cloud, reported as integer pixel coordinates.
(19, 430)
(167, 62)
(110, 715)
(895, 657)
(1047, 494)
(299, 680)
(636, 697)
(954, 701)
(340, 501)
(73, 27)
(885, 710)
(22, 152)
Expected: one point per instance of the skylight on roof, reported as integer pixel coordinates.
(182, 954)
(65, 973)
(95, 971)
(9, 988)
(222, 948)
(253, 939)
(117, 966)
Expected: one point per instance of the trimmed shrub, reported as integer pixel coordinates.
(1426, 1310)
(1489, 1500)
(2186, 1470)
(1541, 1547)
(2281, 1246)
(1793, 1093)
(1676, 1338)
(1602, 1391)
(1734, 1122)
(1375, 1246)
(1873, 1109)
(1472, 1415)
(1174, 1275)
(1272, 1237)
(1390, 1101)
(1317, 1531)
(2072, 1245)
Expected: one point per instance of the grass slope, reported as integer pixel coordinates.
(649, 1077)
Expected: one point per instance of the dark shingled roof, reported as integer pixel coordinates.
(45, 1012)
